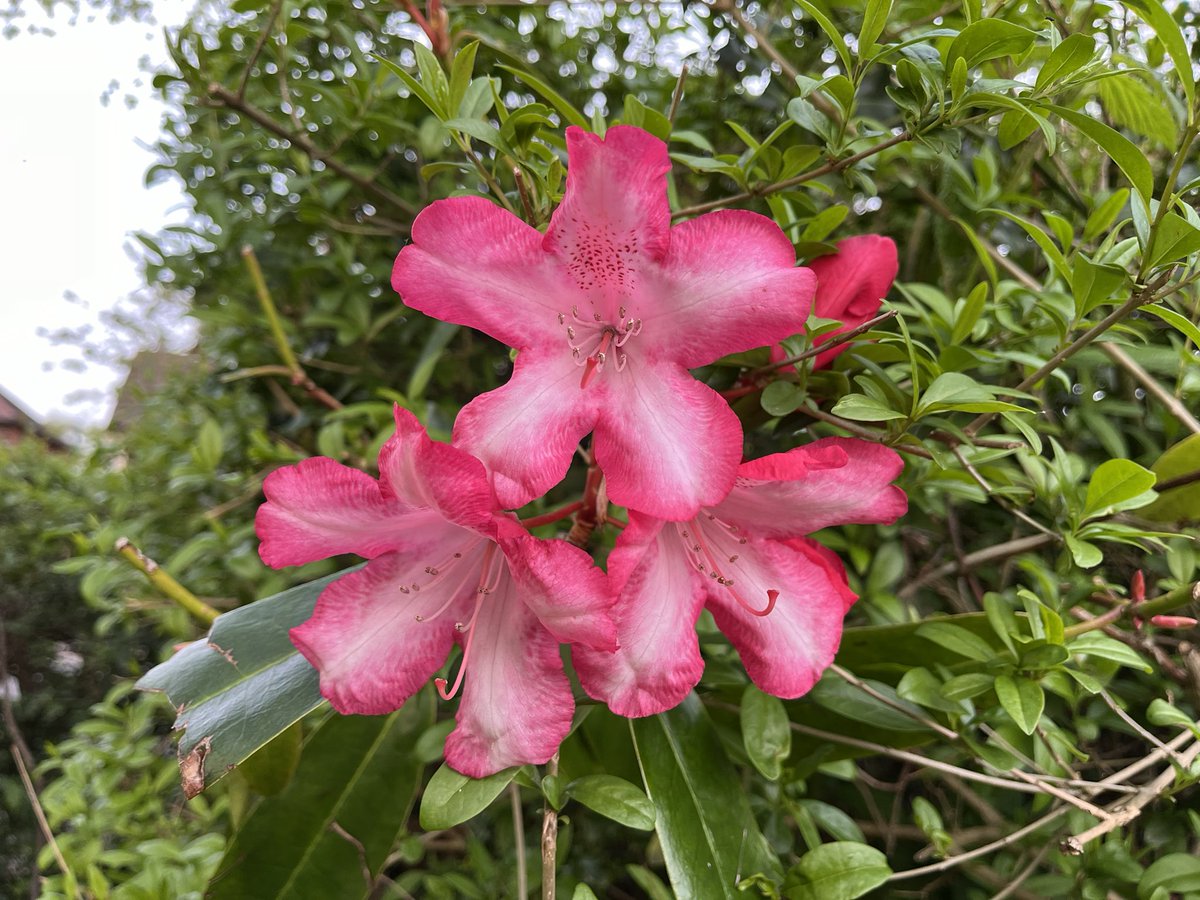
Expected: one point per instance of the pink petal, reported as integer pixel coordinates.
(516, 705)
(851, 284)
(614, 219)
(526, 431)
(786, 651)
(319, 508)
(660, 599)
(364, 637)
(423, 474)
(563, 587)
(729, 283)
(833, 481)
(475, 264)
(667, 443)
(835, 569)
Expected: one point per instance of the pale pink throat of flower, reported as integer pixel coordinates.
(591, 340)
(706, 550)
(491, 566)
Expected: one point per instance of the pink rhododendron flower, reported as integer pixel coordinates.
(779, 597)
(609, 309)
(851, 284)
(446, 565)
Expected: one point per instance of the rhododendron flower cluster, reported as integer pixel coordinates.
(608, 310)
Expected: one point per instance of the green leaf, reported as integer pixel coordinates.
(1085, 553)
(452, 798)
(435, 344)
(1116, 485)
(1168, 32)
(837, 871)
(874, 19)
(460, 76)
(614, 798)
(1160, 712)
(240, 687)
(861, 408)
(1129, 158)
(708, 834)
(210, 445)
(1183, 502)
(1175, 873)
(964, 687)
(549, 94)
(958, 640)
(270, 768)
(766, 732)
(1101, 646)
(781, 397)
(831, 31)
(853, 703)
(1092, 285)
(988, 39)
(1022, 699)
(336, 822)
(972, 309)
(1076, 51)
(1049, 249)
(1133, 104)
(954, 390)
(1175, 239)
(1105, 214)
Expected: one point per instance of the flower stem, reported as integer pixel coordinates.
(167, 585)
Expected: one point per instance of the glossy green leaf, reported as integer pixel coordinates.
(614, 798)
(452, 798)
(1022, 699)
(837, 871)
(241, 686)
(270, 768)
(1115, 485)
(861, 408)
(874, 20)
(1101, 646)
(957, 639)
(766, 732)
(551, 96)
(1182, 502)
(708, 834)
(1168, 31)
(337, 820)
(988, 39)
(1175, 873)
(1124, 153)
(1075, 51)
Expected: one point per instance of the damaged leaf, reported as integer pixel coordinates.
(241, 686)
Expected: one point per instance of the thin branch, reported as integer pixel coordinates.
(1147, 609)
(929, 723)
(763, 43)
(677, 94)
(40, 815)
(1178, 482)
(824, 170)
(550, 840)
(258, 46)
(978, 558)
(836, 341)
(226, 97)
(161, 579)
(866, 434)
(1165, 397)
(1139, 298)
(514, 794)
(1126, 811)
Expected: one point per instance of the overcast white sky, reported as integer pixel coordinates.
(73, 176)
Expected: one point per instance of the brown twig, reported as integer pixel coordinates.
(1165, 397)
(1178, 481)
(824, 170)
(263, 34)
(1125, 811)
(1139, 298)
(866, 434)
(978, 558)
(550, 840)
(225, 97)
(677, 94)
(514, 795)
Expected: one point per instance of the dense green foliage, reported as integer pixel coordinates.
(1035, 166)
